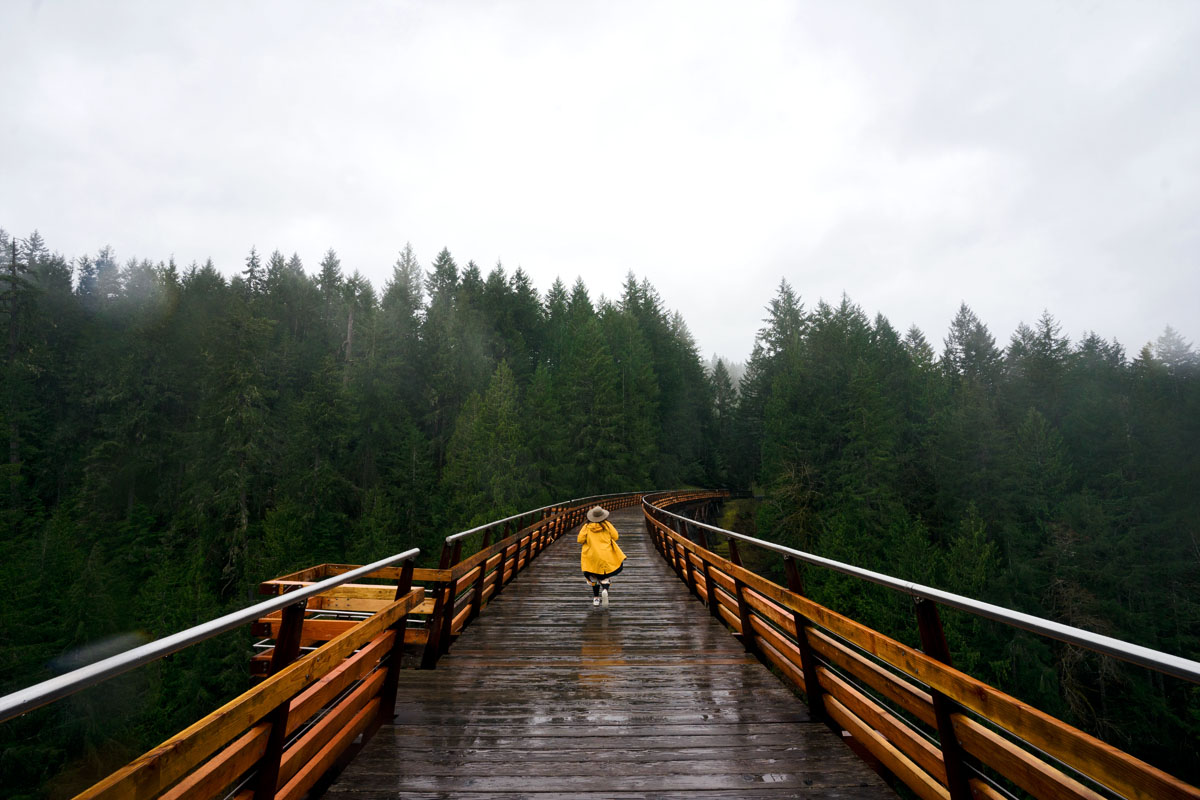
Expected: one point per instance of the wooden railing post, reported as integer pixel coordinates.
(477, 590)
(516, 557)
(434, 625)
(748, 642)
(448, 615)
(444, 561)
(710, 588)
(446, 597)
(287, 647)
(691, 574)
(808, 659)
(933, 642)
(387, 695)
(734, 555)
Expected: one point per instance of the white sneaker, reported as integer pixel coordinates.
(604, 597)
(596, 600)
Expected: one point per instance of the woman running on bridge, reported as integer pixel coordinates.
(601, 558)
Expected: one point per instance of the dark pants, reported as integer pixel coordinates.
(597, 579)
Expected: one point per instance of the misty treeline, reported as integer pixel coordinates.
(1058, 479)
(174, 437)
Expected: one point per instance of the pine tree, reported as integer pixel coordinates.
(775, 342)
(253, 274)
(487, 465)
(970, 351)
(17, 301)
(590, 399)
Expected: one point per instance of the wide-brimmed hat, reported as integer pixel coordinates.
(597, 514)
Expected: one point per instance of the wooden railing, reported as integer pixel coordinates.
(468, 582)
(331, 648)
(945, 734)
(455, 593)
(279, 738)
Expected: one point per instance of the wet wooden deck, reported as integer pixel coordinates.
(546, 695)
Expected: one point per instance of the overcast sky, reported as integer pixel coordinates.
(914, 155)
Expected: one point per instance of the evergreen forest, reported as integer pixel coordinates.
(174, 436)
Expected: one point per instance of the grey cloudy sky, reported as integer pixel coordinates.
(1018, 156)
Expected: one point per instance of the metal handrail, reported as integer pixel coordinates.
(1166, 663)
(456, 536)
(40, 694)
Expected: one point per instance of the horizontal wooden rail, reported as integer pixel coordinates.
(930, 724)
(277, 740)
(473, 570)
(466, 582)
(215, 752)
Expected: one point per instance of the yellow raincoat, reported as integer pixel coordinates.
(600, 552)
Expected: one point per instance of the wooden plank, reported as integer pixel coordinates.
(921, 782)
(923, 752)
(487, 553)
(261, 662)
(912, 699)
(328, 755)
(320, 734)
(460, 618)
(728, 614)
(546, 695)
(1019, 766)
(308, 575)
(323, 603)
(362, 590)
(218, 772)
(789, 670)
(159, 768)
(777, 614)
(312, 575)
(721, 578)
(1102, 762)
(463, 582)
(425, 608)
(314, 630)
(785, 647)
(982, 791)
(321, 693)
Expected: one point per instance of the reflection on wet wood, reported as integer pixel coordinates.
(547, 694)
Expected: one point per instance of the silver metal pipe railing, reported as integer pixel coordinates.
(19, 702)
(1166, 663)
(456, 536)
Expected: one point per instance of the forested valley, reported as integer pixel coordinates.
(175, 436)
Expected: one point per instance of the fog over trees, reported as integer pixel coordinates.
(173, 437)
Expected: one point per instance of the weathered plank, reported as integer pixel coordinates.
(546, 694)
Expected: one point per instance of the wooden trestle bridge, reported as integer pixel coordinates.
(494, 676)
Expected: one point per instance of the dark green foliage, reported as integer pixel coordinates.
(172, 438)
(1056, 480)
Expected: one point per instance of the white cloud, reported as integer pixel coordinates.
(1015, 157)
